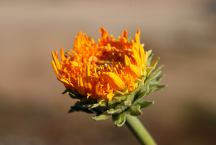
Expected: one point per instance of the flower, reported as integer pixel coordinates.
(100, 69)
(110, 77)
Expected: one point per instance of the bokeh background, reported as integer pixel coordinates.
(34, 112)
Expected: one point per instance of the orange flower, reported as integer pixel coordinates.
(99, 69)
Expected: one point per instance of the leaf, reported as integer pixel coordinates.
(95, 105)
(150, 56)
(119, 119)
(117, 99)
(144, 103)
(101, 103)
(118, 109)
(155, 87)
(140, 93)
(129, 99)
(155, 74)
(100, 117)
(114, 111)
(135, 110)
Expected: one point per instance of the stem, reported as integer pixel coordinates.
(134, 124)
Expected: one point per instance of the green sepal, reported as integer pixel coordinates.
(135, 110)
(101, 103)
(119, 119)
(116, 110)
(100, 117)
(117, 100)
(143, 103)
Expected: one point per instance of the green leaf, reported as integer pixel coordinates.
(101, 103)
(141, 93)
(150, 56)
(155, 87)
(118, 109)
(117, 99)
(144, 103)
(129, 99)
(114, 111)
(94, 105)
(135, 110)
(100, 117)
(119, 119)
(155, 74)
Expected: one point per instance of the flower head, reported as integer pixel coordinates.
(99, 69)
(110, 77)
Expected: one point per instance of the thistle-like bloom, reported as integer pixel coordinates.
(100, 69)
(110, 77)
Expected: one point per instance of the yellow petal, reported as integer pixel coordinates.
(114, 80)
(110, 96)
(54, 67)
(62, 54)
(56, 61)
(135, 70)
(137, 35)
(88, 73)
(136, 56)
(127, 60)
(142, 53)
(64, 81)
(80, 82)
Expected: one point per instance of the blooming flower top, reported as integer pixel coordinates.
(99, 69)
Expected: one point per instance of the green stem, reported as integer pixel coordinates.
(134, 124)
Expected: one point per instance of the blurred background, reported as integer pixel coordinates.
(34, 112)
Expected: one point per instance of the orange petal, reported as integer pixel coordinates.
(104, 33)
(124, 34)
